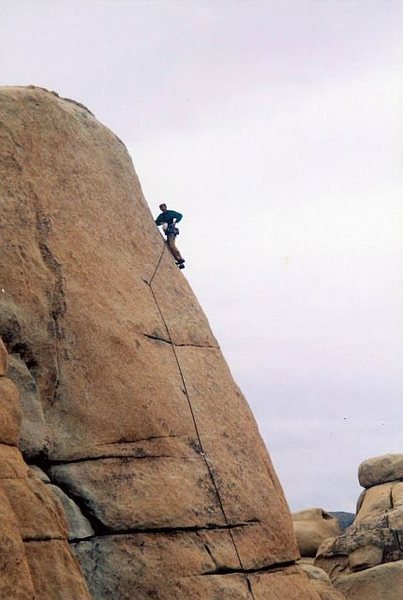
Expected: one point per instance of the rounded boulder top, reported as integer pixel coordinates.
(380, 469)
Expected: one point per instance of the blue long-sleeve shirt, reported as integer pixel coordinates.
(167, 217)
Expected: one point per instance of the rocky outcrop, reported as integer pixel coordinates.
(128, 405)
(383, 581)
(370, 552)
(35, 558)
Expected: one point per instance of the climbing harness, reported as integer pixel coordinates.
(170, 229)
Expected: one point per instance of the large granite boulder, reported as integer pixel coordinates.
(128, 405)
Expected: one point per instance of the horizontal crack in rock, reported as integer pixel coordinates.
(169, 530)
(43, 538)
(45, 462)
(121, 442)
(266, 569)
(123, 458)
(150, 438)
(167, 341)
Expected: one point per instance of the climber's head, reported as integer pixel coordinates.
(163, 207)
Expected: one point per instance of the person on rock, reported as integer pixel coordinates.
(168, 220)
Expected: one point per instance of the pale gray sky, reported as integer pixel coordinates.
(276, 128)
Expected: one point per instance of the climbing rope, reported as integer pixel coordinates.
(154, 274)
(202, 452)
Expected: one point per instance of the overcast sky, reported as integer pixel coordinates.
(275, 126)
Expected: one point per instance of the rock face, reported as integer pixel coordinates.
(35, 558)
(365, 562)
(128, 405)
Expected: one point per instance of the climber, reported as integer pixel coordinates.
(168, 220)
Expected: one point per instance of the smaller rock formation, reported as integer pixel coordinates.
(320, 581)
(35, 557)
(312, 527)
(366, 561)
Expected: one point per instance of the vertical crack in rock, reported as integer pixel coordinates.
(57, 297)
(392, 503)
(202, 452)
(394, 532)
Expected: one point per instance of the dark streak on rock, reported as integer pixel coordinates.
(57, 297)
(209, 552)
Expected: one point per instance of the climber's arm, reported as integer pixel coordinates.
(177, 216)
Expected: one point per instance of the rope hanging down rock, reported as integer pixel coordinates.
(202, 452)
